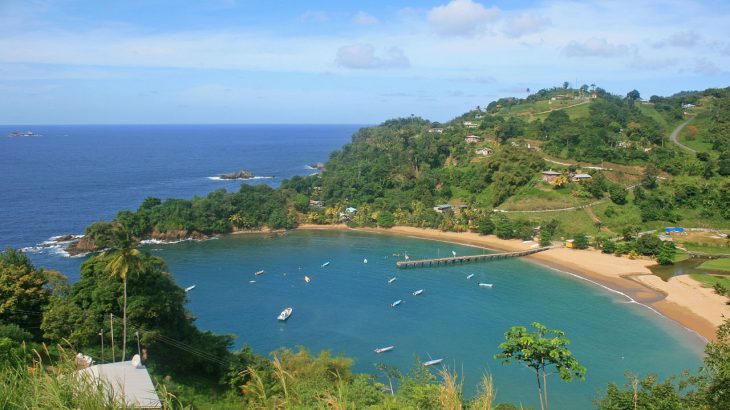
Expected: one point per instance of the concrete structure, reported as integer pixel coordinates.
(484, 151)
(550, 175)
(581, 177)
(128, 383)
(436, 130)
(442, 208)
(472, 139)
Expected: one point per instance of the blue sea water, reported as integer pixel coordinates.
(74, 175)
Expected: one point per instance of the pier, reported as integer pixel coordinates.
(459, 260)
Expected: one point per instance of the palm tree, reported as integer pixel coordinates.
(124, 259)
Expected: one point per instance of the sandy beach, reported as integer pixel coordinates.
(681, 299)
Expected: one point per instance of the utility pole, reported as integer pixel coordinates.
(111, 324)
(139, 351)
(101, 334)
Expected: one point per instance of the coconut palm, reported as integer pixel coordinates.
(123, 260)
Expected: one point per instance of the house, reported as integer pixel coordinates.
(469, 124)
(312, 202)
(472, 139)
(624, 144)
(550, 175)
(581, 177)
(442, 208)
(484, 151)
(127, 383)
(350, 210)
(688, 105)
(570, 243)
(436, 130)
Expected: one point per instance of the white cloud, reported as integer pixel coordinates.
(364, 19)
(524, 24)
(643, 63)
(461, 18)
(704, 66)
(362, 56)
(595, 47)
(316, 16)
(684, 39)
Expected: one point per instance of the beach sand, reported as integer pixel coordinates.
(681, 299)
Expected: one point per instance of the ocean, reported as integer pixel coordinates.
(74, 175)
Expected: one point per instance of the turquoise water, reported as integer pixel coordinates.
(346, 309)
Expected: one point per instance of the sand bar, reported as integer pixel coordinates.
(681, 299)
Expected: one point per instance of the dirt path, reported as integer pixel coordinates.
(675, 133)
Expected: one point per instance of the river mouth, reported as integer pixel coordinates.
(686, 267)
(346, 307)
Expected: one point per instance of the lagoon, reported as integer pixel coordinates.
(346, 308)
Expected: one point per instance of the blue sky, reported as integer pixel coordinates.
(236, 61)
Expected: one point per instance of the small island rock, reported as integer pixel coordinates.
(242, 174)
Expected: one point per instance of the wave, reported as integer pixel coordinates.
(217, 178)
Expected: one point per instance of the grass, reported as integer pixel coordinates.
(695, 142)
(710, 279)
(717, 264)
(712, 250)
(538, 195)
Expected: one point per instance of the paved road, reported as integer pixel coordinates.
(676, 131)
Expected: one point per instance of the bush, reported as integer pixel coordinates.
(580, 241)
(608, 247)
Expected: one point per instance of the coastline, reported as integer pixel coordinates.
(681, 299)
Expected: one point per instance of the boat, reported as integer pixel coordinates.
(384, 349)
(252, 281)
(325, 264)
(14, 134)
(259, 272)
(396, 303)
(391, 280)
(432, 362)
(471, 275)
(189, 288)
(365, 261)
(284, 315)
(485, 285)
(418, 292)
(306, 279)
(453, 253)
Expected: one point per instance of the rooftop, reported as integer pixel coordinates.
(130, 385)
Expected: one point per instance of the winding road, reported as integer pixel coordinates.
(675, 133)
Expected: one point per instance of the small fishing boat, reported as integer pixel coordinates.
(418, 292)
(396, 303)
(384, 349)
(432, 362)
(453, 253)
(325, 264)
(259, 272)
(365, 260)
(391, 280)
(485, 285)
(471, 275)
(189, 288)
(306, 279)
(252, 281)
(284, 315)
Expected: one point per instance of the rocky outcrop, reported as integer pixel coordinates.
(242, 174)
(317, 165)
(83, 245)
(177, 235)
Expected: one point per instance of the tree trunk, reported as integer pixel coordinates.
(539, 390)
(544, 388)
(124, 323)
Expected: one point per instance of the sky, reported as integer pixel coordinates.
(299, 62)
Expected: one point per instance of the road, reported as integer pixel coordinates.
(676, 131)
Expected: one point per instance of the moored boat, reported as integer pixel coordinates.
(384, 349)
(432, 362)
(396, 303)
(259, 272)
(306, 279)
(471, 275)
(485, 285)
(391, 280)
(284, 315)
(325, 264)
(418, 292)
(189, 288)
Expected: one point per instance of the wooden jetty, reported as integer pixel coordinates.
(458, 260)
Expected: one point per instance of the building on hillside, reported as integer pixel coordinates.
(581, 177)
(469, 124)
(570, 243)
(688, 105)
(127, 383)
(350, 210)
(472, 139)
(318, 204)
(436, 130)
(484, 151)
(550, 175)
(442, 208)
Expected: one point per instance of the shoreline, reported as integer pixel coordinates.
(682, 299)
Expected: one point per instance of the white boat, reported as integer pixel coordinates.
(391, 280)
(471, 275)
(418, 292)
(325, 264)
(252, 281)
(306, 279)
(453, 253)
(259, 272)
(485, 285)
(396, 303)
(189, 288)
(384, 349)
(432, 362)
(365, 261)
(284, 315)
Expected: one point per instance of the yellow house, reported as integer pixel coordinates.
(569, 243)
